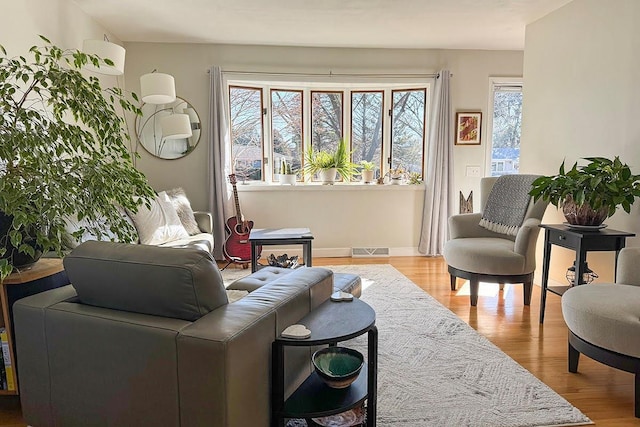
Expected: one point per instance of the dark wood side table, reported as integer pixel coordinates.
(280, 236)
(330, 323)
(47, 273)
(581, 241)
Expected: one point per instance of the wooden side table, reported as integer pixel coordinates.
(581, 241)
(47, 273)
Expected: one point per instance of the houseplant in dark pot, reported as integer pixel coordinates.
(589, 194)
(63, 154)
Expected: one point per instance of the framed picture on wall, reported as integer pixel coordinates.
(468, 128)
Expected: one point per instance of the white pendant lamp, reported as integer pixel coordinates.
(157, 88)
(105, 50)
(176, 126)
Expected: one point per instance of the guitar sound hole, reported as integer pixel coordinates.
(241, 229)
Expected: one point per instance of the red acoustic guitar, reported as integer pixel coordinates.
(237, 248)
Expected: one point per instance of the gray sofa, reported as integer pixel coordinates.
(145, 336)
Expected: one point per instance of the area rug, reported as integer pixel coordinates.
(435, 370)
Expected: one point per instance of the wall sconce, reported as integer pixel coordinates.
(588, 275)
(105, 50)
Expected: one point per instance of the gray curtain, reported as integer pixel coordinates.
(219, 196)
(438, 202)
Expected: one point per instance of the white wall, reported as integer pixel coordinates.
(581, 98)
(334, 215)
(61, 21)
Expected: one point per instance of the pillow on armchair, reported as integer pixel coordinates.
(159, 224)
(183, 208)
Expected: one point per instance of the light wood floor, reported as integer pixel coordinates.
(604, 394)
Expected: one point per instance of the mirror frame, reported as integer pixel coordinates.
(149, 132)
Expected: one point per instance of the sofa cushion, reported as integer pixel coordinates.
(180, 283)
(203, 241)
(180, 201)
(160, 223)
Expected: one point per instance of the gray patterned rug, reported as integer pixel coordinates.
(435, 370)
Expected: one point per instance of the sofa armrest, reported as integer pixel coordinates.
(205, 221)
(224, 357)
(628, 270)
(468, 225)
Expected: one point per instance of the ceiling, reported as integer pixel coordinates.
(442, 24)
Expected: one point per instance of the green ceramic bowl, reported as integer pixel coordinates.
(338, 366)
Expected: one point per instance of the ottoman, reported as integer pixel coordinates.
(345, 282)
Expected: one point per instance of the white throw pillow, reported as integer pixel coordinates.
(160, 224)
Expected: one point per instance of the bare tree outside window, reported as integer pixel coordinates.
(366, 126)
(286, 128)
(326, 120)
(246, 132)
(407, 133)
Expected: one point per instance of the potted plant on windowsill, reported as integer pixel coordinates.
(327, 164)
(589, 194)
(287, 177)
(396, 175)
(63, 154)
(368, 171)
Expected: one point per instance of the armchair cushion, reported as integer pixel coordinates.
(180, 283)
(484, 255)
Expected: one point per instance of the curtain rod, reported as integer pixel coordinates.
(331, 74)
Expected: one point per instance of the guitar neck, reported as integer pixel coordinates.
(239, 218)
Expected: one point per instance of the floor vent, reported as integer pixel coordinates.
(369, 252)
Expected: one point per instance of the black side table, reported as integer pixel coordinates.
(581, 241)
(330, 323)
(280, 236)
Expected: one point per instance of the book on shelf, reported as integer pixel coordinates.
(3, 373)
(6, 357)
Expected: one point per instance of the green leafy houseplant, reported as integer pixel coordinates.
(340, 159)
(63, 154)
(591, 193)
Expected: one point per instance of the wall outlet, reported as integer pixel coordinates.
(473, 171)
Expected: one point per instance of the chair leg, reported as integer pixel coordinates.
(574, 358)
(474, 284)
(528, 290)
(453, 282)
(637, 392)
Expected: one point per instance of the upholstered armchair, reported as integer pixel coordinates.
(478, 254)
(603, 320)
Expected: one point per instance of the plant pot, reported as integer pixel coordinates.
(17, 259)
(327, 176)
(288, 179)
(368, 176)
(396, 181)
(584, 214)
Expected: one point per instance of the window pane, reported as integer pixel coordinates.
(505, 136)
(407, 133)
(286, 128)
(366, 126)
(246, 132)
(326, 120)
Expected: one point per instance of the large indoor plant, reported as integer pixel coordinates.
(63, 154)
(589, 194)
(329, 163)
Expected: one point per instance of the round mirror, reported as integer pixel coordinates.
(163, 129)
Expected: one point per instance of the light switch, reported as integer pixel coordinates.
(473, 171)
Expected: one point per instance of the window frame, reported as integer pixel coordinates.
(346, 86)
(424, 126)
(382, 128)
(302, 129)
(262, 126)
(496, 83)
